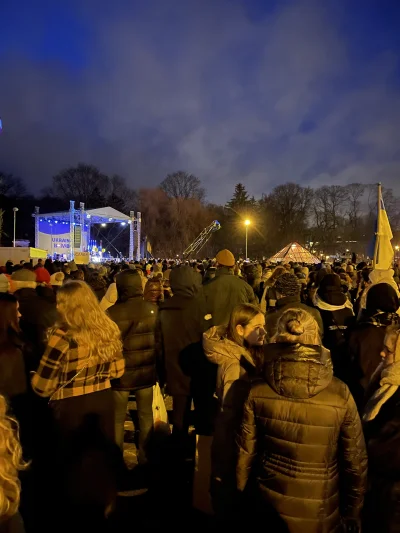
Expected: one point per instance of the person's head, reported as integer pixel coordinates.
(10, 463)
(247, 326)
(225, 258)
(9, 316)
(78, 274)
(297, 326)
(278, 271)
(391, 345)
(153, 291)
(82, 317)
(287, 285)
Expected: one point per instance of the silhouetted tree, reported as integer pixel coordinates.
(182, 185)
(84, 183)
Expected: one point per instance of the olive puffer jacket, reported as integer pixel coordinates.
(137, 320)
(302, 426)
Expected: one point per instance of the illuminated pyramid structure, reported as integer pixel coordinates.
(296, 253)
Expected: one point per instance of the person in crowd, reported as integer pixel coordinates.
(337, 316)
(287, 290)
(98, 284)
(366, 336)
(4, 283)
(236, 349)
(268, 299)
(301, 438)
(83, 355)
(226, 291)
(253, 275)
(56, 280)
(382, 432)
(188, 374)
(38, 311)
(13, 377)
(153, 291)
(136, 320)
(42, 276)
(11, 463)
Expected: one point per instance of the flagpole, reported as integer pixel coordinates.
(377, 224)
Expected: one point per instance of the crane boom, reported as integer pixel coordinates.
(201, 240)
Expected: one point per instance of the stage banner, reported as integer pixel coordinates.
(81, 258)
(77, 236)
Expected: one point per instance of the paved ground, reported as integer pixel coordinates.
(168, 502)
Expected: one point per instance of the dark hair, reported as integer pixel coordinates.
(8, 316)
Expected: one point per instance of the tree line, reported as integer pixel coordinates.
(329, 219)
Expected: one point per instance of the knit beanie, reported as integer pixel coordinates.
(23, 274)
(42, 275)
(330, 290)
(57, 278)
(225, 258)
(287, 285)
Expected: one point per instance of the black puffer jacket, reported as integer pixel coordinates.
(303, 427)
(136, 319)
(181, 326)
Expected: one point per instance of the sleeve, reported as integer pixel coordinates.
(117, 367)
(45, 380)
(110, 297)
(353, 462)
(246, 442)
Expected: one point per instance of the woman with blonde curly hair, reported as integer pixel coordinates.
(83, 355)
(11, 463)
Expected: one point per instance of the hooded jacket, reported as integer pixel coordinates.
(302, 426)
(181, 325)
(224, 292)
(136, 320)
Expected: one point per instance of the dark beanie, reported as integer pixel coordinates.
(287, 285)
(330, 290)
(382, 297)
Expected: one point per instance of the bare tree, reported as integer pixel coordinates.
(355, 192)
(290, 205)
(121, 196)
(84, 183)
(329, 207)
(182, 185)
(11, 186)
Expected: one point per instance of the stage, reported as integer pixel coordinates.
(67, 234)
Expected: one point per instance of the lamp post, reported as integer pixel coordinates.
(247, 224)
(15, 209)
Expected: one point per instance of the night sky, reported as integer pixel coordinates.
(256, 91)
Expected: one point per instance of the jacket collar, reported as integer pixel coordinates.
(288, 300)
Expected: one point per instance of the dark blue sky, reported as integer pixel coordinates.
(255, 91)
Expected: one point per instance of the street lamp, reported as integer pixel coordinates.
(247, 224)
(15, 209)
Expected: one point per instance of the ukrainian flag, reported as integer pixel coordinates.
(383, 250)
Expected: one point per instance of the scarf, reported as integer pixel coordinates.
(318, 302)
(389, 383)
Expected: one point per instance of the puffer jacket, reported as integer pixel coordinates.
(136, 319)
(224, 292)
(235, 370)
(302, 433)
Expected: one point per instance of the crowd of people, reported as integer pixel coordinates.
(293, 372)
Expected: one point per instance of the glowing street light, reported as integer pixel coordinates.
(247, 224)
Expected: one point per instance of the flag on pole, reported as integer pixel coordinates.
(383, 250)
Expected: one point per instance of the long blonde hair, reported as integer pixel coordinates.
(82, 318)
(297, 326)
(10, 463)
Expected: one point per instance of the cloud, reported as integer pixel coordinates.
(202, 86)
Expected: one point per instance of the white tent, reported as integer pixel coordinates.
(296, 253)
